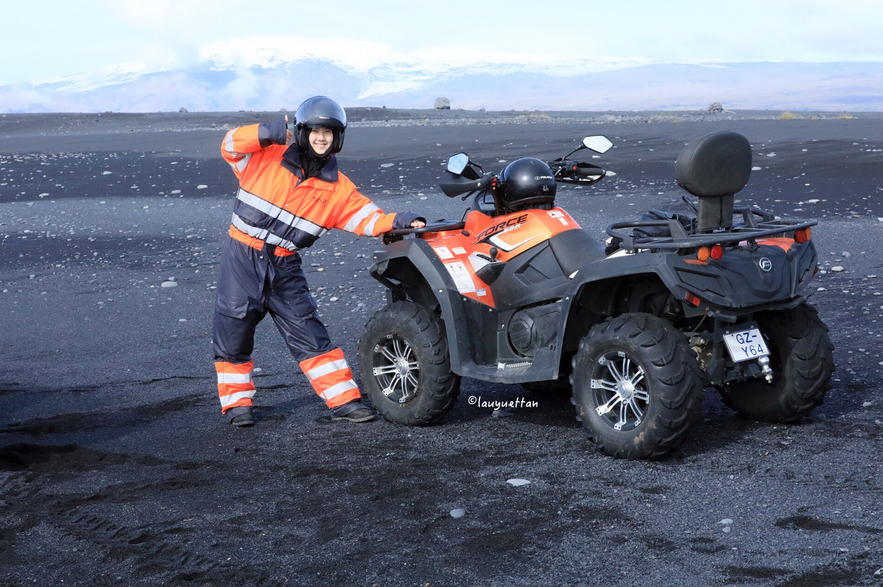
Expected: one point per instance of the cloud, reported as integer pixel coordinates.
(24, 99)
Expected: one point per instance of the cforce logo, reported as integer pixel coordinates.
(510, 224)
(765, 264)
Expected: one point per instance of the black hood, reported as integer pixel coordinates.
(305, 166)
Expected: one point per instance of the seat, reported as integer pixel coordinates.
(574, 248)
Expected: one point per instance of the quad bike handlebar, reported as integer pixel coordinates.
(577, 172)
(437, 226)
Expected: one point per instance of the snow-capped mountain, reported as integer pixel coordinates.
(278, 74)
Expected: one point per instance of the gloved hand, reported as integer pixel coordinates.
(274, 133)
(408, 220)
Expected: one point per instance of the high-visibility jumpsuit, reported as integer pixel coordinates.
(277, 213)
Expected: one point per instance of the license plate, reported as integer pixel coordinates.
(745, 345)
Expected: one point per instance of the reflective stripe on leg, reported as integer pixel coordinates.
(235, 387)
(331, 377)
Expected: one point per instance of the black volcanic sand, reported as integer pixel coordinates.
(116, 467)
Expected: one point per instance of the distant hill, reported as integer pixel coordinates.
(212, 86)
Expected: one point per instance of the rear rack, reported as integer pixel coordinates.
(755, 224)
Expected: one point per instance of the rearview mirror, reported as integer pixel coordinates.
(599, 144)
(457, 163)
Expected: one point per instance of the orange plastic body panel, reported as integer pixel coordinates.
(464, 252)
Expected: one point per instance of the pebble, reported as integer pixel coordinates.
(498, 413)
(201, 186)
(169, 284)
(333, 299)
(867, 405)
(517, 482)
(837, 268)
(458, 512)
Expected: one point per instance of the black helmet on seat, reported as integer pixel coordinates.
(316, 112)
(527, 183)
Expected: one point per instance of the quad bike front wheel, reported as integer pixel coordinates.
(637, 386)
(405, 365)
(802, 360)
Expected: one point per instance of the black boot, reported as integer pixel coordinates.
(240, 417)
(353, 411)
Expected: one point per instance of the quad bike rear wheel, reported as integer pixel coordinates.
(637, 386)
(802, 360)
(405, 365)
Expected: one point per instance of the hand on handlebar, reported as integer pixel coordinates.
(418, 224)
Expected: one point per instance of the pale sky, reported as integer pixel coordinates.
(43, 40)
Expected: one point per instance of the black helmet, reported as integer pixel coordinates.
(527, 183)
(320, 111)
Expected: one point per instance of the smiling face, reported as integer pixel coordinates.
(321, 139)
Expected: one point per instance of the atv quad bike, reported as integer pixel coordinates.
(639, 326)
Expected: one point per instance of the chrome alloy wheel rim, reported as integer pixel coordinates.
(396, 369)
(620, 391)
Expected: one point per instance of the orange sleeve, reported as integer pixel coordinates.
(239, 145)
(357, 214)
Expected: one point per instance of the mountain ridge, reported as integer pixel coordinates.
(210, 87)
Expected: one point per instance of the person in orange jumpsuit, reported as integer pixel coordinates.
(290, 193)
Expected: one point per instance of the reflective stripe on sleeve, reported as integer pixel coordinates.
(357, 218)
(240, 164)
(369, 229)
(228, 143)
